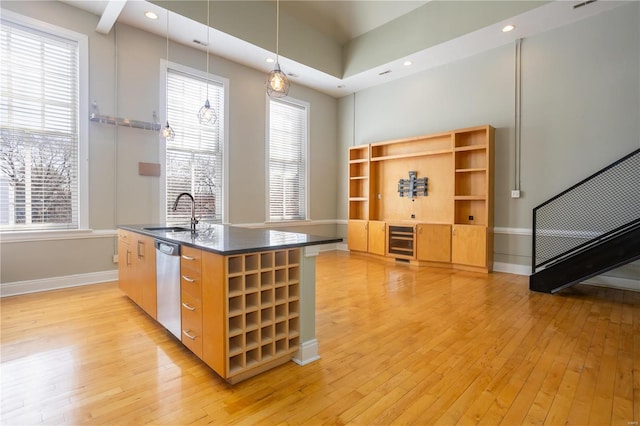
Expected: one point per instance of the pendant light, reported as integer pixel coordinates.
(277, 81)
(207, 115)
(167, 132)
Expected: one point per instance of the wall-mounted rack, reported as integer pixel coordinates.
(126, 122)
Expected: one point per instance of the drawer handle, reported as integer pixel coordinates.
(189, 307)
(186, 278)
(185, 257)
(189, 335)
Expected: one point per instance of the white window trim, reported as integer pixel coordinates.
(307, 213)
(164, 65)
(83, 120)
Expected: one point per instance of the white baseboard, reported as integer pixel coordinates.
(307, 353)
(512, 268)
(54, 283)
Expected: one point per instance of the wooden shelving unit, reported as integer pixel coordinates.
(263, 308)
(459, 168)
(359, 182)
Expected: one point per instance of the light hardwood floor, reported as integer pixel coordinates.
(399, 345)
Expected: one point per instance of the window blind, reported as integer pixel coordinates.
(287, 160)
(39, 80)
(194, 159)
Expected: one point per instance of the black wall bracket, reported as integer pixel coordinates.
(413, 186)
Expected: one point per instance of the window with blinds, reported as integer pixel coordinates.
(39, 80)
(287, 160)
(194, 158)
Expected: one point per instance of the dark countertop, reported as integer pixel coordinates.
(227, 240)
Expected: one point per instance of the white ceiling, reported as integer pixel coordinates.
(342, 20)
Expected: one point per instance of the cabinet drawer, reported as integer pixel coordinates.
(192, 323)
(191, 283)
(191, 258)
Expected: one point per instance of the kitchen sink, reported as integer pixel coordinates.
(168, 229)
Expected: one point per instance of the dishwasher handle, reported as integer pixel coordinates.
(170, 249)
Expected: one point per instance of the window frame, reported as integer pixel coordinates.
(82, 182)
(307, 108)
(164, 67)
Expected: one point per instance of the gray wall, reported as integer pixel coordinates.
(124, 80)
(580, 112)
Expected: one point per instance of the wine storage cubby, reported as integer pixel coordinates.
(263, 308)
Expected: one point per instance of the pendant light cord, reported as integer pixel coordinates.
(208, 14)
(277, 29)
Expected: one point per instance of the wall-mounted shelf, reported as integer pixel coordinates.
(117, 121)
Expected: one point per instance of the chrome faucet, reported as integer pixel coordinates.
(194, 221)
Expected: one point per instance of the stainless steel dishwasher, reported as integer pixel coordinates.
(168, 285)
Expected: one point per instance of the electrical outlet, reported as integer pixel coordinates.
(115, 258)
(515, 193)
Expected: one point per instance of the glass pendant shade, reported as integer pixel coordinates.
(277, 83)
(207, 115)
(168, 133)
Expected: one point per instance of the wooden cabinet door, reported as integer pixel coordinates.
(434, 242)
(145, 260)
(214, 313)
(469, 245)
(377, 236)
(126, 278)
(357, 235)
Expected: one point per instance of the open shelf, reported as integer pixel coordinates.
(359, 153)
(411, 155)
(470, 211)
(471, 138)
(413, 147)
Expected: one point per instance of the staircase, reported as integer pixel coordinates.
(588, 229)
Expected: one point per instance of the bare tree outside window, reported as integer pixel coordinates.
(39, 172)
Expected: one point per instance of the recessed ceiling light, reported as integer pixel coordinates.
(407, 63)
(508, 28)
(151, 15)
(270, 60)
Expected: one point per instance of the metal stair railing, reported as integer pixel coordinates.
(596, 208)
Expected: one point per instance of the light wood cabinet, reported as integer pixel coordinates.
(358, 235)
(137, 270)
(146, 274)
(377, 237)
(433, 242)
(469, 245)
(251, 311)
(126, 269)
(458, 166)
(191, 299)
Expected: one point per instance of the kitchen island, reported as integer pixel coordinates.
(247, 296)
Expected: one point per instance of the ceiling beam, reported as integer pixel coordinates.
(110, 15)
